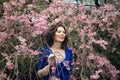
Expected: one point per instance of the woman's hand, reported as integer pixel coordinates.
(51, 59)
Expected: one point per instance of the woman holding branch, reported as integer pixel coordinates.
(55, 60)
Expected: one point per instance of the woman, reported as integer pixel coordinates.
(55, 59)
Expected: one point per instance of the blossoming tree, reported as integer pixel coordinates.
(94, 37)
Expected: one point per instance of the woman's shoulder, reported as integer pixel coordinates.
(68, 49)
(45, 50)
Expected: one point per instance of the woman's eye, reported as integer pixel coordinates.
(58, 31)
(61, 32)
(64, 32)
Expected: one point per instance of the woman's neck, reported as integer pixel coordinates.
(56, 45)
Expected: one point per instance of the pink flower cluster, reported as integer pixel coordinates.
(4, 77)
(96, 75)
(53, 78)
(3, 36)
(102, 43)
(23, 47)
(53, 69)
(104, 64)
(9, 65)
(118, 31)
(39, 25)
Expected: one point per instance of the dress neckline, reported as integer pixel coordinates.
(64, 52)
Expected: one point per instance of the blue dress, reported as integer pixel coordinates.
(63, 69)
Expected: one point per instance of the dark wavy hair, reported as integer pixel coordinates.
(49, 35)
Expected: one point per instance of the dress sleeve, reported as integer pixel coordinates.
(42, 60)
(67, 64)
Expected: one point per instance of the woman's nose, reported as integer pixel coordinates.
(63, 34)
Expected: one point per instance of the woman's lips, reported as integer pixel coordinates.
(62, 37)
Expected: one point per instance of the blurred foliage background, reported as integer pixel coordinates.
(25, 74)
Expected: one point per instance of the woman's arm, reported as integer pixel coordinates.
(42, 64)
(43, 69)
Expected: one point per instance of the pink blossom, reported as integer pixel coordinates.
(32, 52)
(113, 32)
(39, 25)
(95, 76)
(100, 24)
(83, 16)
(37, 32)
(113, 49)
(7, 6)
(66, 63)
(91, 34)
(70, 29)
(99, 71)
(118, 32)
(42, 23)
(4, 55)
(22, 40)
(113, 36)
(30, 6)
(13, 18)
(102, 61)
(13, 3)
(9, 65)
(78, 62)
(17, 47)
(44, 28)
(102, 43)
(82, 8)
(22, 1)
(70, 11)
(59, 3)
(3, 36)
(57, 20)
(41, 19)
(36, 27)
(88, 46)
(95, 20)
(20, 47)
(53, 69)
(53, 78)
(109, 7)
(114, 73)
(112, 70)
(105, 19)
(72, 77)
(74, 23)
(91, 56)
(82, 46)
(3, 76)
(82, 32)
(117, 13)
(96, 11)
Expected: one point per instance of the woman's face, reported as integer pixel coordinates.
(60, 34)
